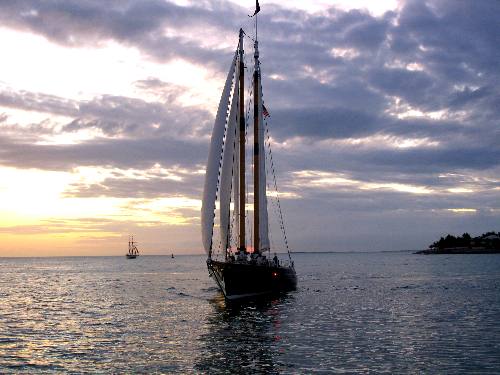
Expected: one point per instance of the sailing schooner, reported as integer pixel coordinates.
(133, 251)
(246, 272)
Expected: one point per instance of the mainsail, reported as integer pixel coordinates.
(224, 158)
(213, 164)
(236, 186)
(228, 163)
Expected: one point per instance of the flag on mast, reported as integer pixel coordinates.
(265, 112)
(257, 8)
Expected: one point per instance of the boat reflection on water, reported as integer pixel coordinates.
(244, 337)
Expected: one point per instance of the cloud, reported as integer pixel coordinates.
(187, 185)
(323, 123)
(122, 153)
(39, 102)
(140, 24)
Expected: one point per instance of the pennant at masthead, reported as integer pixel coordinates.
(257, 8)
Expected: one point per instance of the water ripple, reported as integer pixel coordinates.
(352, 313)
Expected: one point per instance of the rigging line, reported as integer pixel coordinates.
(277, 192)
(271, 162)
(248, 36)
(248, 116)
(273, 203)
(272, 200)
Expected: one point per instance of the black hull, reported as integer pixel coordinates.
(131, 256)
(246, 280)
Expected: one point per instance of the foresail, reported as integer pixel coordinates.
(213, 163)
(264, 219)
(228, 163)
(236, 186)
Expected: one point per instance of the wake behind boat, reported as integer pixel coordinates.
(133, 251)
(241, 271)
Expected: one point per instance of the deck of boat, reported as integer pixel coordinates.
(239, 280)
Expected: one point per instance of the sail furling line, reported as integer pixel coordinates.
(213, 163)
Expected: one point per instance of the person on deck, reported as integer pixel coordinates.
(275, 260)
(241, 256)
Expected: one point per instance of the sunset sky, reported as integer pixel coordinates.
(385, 119)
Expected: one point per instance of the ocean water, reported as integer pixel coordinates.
(352, 313)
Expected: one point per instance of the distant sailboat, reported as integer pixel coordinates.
(133, 251)
(247, 272)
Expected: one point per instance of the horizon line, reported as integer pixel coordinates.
(199, 254)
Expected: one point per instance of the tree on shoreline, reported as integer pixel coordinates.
(486, 240)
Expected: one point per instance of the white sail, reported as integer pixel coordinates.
(213, 163)
(227, 165)
(263, 220)
(236, 185)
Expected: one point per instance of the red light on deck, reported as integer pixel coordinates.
(275, 274)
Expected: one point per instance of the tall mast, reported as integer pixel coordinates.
(241, 244)
(256, 147)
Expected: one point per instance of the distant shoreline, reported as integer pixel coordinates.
(458, 251)
(487, 243)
